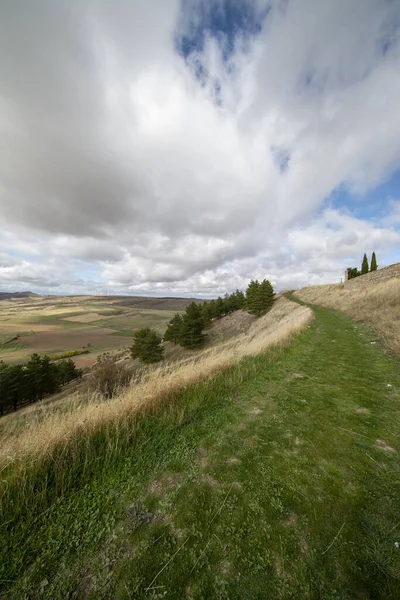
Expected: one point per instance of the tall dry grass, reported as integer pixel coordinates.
(378, 305)
(34, 436)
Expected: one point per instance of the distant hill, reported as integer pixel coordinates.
(10, 295)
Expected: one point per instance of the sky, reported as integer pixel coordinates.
(181, 148)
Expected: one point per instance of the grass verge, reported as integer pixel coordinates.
(378, 305)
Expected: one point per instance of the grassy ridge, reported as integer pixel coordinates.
(275, 479)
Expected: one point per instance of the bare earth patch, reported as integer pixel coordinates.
(212, 481)
(226, 568)
(160, 485)
(363, 411)
(203, 458)
(255, 411)
(303, 546)
(382, 445)
(296, 375)
(233, 460)
(292, 520)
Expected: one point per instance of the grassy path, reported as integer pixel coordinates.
(277, 479)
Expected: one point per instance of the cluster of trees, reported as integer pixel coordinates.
(20, 384)
(187, 329)
(365, 268)
(259, 297)
(215, 309)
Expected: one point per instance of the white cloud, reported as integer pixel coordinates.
(112, 153)
(393, 217)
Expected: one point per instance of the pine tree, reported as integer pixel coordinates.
(212, 308)
(364, 266)
(253, 298)
(67, 371)
(34, 378)
(219, 308)
(240, 299)
(147, 346)
(229, 304)
(374, 265)
(267, 295)
(173, 329)
(191, 334)
(49, 377)
(207, 312)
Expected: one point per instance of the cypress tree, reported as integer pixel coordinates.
(147, 346)
(364, 266)
(173, 329)
(374, 265)
(191, 334)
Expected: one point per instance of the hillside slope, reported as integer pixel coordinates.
(378, 305)
(85, 414)
(278, 478)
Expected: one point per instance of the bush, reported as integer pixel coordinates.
(108, 377)
(69, 354)
(353, 272)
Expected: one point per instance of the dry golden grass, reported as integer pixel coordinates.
(378, 305)
(33, 435)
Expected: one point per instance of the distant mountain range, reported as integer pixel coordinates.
(8, 295)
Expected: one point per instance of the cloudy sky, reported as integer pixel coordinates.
(177, 147)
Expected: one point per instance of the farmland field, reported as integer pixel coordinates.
(53, 325)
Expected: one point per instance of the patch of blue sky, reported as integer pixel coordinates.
(89, 273)
(374, 205)
(281, 158)
(223, 20)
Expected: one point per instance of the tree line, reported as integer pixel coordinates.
(28, 383)
(187, 329)
(365, 268)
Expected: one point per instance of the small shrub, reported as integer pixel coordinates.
(108, 377)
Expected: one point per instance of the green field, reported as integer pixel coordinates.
(276, 479)
(51, 325)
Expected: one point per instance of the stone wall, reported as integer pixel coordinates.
(374, 277)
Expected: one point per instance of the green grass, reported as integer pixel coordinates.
(264, 482)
